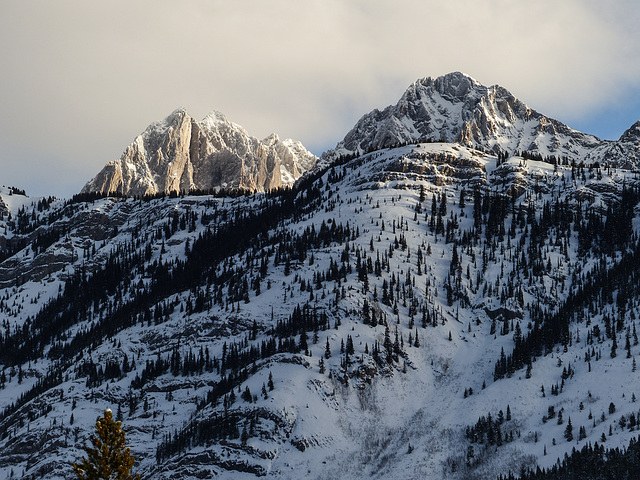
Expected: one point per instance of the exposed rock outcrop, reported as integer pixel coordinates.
(624, 152)
(455, 108)
(182, 154)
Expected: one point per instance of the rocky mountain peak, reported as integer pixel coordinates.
(455, 108)
(632, 134)
(623, 153)
(217, 118)
(454, 86)
(271, 139)
(182, 154)
(178, 113)
(174, 120)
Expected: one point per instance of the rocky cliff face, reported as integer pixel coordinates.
(624, 152)
(456, 108)
(182, 154)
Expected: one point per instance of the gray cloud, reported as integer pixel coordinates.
(81, 79)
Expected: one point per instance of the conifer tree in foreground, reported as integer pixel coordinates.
(109, 459)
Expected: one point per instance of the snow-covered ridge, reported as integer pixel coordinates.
(335, 417)
(456, 108)
(182, 154)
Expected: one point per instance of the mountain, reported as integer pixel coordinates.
(429, 310)
(456, 108)
(181, 154)
(625, 152)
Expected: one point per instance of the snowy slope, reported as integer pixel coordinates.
(366, 416)
(11, 201)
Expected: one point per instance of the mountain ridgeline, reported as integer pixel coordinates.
(181, 154)
(452, 292)
(457, 109)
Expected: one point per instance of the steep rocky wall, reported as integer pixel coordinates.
(182, 154)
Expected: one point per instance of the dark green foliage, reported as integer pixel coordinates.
(591, 462)
(488, 430)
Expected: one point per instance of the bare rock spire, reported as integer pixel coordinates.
(182, 154)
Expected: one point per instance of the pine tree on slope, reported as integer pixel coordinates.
(109, 459)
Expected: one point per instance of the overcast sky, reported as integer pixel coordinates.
(80, 79)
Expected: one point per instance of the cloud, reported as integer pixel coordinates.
(81, 79)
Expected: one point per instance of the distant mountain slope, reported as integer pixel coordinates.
(456, 108)
(624, 152)
(182, 154)
(427, 311)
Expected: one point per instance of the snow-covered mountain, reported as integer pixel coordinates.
(456, 108)
(426, 311)
(182, 154)
(624, 152)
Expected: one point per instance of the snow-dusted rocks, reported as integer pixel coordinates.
(456, 108)
(624, 152)
(182, 154)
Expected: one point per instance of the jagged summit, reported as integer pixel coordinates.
(454, 86)
(632, 134)
(624, 152)
(178, 112)
(216, 117)
(455, 108)
(182, 154)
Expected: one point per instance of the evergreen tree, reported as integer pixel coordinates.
(109, 459)
(568, 432)
(327, 350)
(350, 348)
